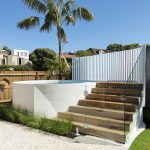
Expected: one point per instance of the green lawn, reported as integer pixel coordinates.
(142, 142)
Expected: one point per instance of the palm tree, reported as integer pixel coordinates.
(53, 68)
(56, 13)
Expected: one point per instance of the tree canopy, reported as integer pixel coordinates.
(121, 47)
(82, 53)
(42, 58)
(88, 52)
(6, 48)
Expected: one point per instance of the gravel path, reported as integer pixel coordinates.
(17, 137)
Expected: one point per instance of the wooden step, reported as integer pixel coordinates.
(117, 91)
(122, 85)
(102, 112)
(113, 98)
(101, 132)
(106, 104)
(94, 120)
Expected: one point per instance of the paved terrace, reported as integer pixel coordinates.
(17, 137)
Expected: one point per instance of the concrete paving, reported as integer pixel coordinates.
(17, 137)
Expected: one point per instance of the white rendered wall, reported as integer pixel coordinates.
(23, 96)
(22, 53)
(12, 60)
(47, 98)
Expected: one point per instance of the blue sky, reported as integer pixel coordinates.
(116, 21)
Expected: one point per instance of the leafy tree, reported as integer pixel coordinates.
(83, 53)
(131, 46)
(55, 13)
(120, 47)
(115, 47)
(42, 58)
(6, 48)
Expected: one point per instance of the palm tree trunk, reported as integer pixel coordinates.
(60, 49)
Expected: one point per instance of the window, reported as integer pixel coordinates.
(21, 53)
(25, 53)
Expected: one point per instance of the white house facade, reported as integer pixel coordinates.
(16, 57)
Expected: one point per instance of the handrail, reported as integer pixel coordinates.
(130, 78)
(135, 63)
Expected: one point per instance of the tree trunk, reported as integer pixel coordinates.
(60, 49)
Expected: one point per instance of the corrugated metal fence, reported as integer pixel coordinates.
(115, 66)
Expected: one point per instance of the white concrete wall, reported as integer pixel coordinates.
(23, 96)
(46, 98)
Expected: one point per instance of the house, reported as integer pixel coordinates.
(3, 57)
(69, 56)
(16, 57)
(98, 51)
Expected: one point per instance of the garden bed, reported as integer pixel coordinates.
(23, 117)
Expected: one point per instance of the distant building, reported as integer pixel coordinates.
(3, 57)
(16, 57)
(98, 51)
(69, 56)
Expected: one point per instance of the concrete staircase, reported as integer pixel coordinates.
(102, 113)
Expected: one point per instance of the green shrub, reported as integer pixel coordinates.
(60, 127)
(22, 68)
(7, 113)
(15, 68)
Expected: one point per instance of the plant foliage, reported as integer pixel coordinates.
(54, 13)
(15, 68)
(42, 57)
(120, 47)
(17, 115)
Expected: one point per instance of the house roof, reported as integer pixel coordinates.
(67, 55)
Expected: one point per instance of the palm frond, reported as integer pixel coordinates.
(36, 5)
(51, 17)
(61, 34)
(46, 27)
(67, 7)
(83, 13)
(70, 19)
(29, 23)
(50, 4)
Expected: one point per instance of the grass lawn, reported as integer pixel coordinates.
(142, 142)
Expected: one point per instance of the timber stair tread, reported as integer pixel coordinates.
(105, 101)
(114, 98)
(104, 109)
(122, 85)
(102, 112)
(95, 120)
(101, 128)
(93, 117)
(117, 91)
(100, 131)
(107, 104)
